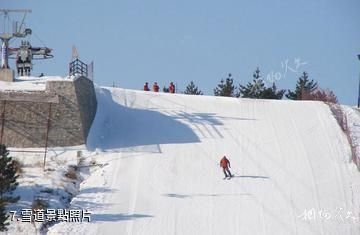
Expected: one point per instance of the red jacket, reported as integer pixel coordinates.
(155, 88)
(224, 163)
(172, 88)
(146, 87)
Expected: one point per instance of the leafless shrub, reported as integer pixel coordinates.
(341, 118)
(319, 94)
(306, 95)
(327, 96)
(71, 173)
(18, 166)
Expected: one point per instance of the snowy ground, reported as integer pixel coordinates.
(31, 83)
(160, 173)
(51, 185)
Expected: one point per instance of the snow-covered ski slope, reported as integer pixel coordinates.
(161, 152)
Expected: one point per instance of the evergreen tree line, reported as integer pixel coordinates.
(305, 89)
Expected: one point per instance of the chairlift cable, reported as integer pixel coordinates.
(39, 39)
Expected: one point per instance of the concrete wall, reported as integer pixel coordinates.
(86, 97)
(71, 118)
(6, 75)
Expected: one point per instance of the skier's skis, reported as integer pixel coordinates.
(228, 177)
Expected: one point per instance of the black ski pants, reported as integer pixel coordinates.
(226, 171)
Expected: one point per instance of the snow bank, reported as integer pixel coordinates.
(353, 127)
(50, 186)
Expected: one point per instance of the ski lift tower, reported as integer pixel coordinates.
(7, 74)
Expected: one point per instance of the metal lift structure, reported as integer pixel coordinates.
(25, 53)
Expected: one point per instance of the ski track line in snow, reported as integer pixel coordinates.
(274, 183)
(260, 199)
(340, 179)
(340, 174)
(278, 150)
(341, 182)
(247, 153)
(136, 165)
(134, 194)
(313, 182)
(293, 209)
(294, 215)
(235, 139)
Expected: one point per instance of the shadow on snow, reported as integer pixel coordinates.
(184, 196)
(117, 217)
(117, 126)
(251, 176)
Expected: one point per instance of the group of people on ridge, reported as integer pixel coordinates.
(155, 87)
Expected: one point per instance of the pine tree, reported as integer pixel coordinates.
(257, 89)
(8, 183)
(304, 87)
(253, 89)
(226, 87)
(191, 89)
(273, 93)
(3, 217)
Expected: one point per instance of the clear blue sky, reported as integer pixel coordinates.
(135, 41)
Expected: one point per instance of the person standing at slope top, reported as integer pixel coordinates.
(155, 87)
(225, 164)
(172, 87)
(146, 86)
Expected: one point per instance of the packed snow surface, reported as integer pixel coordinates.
(30, 83)
(161, 175)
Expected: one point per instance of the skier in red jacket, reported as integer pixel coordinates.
(225, 164)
